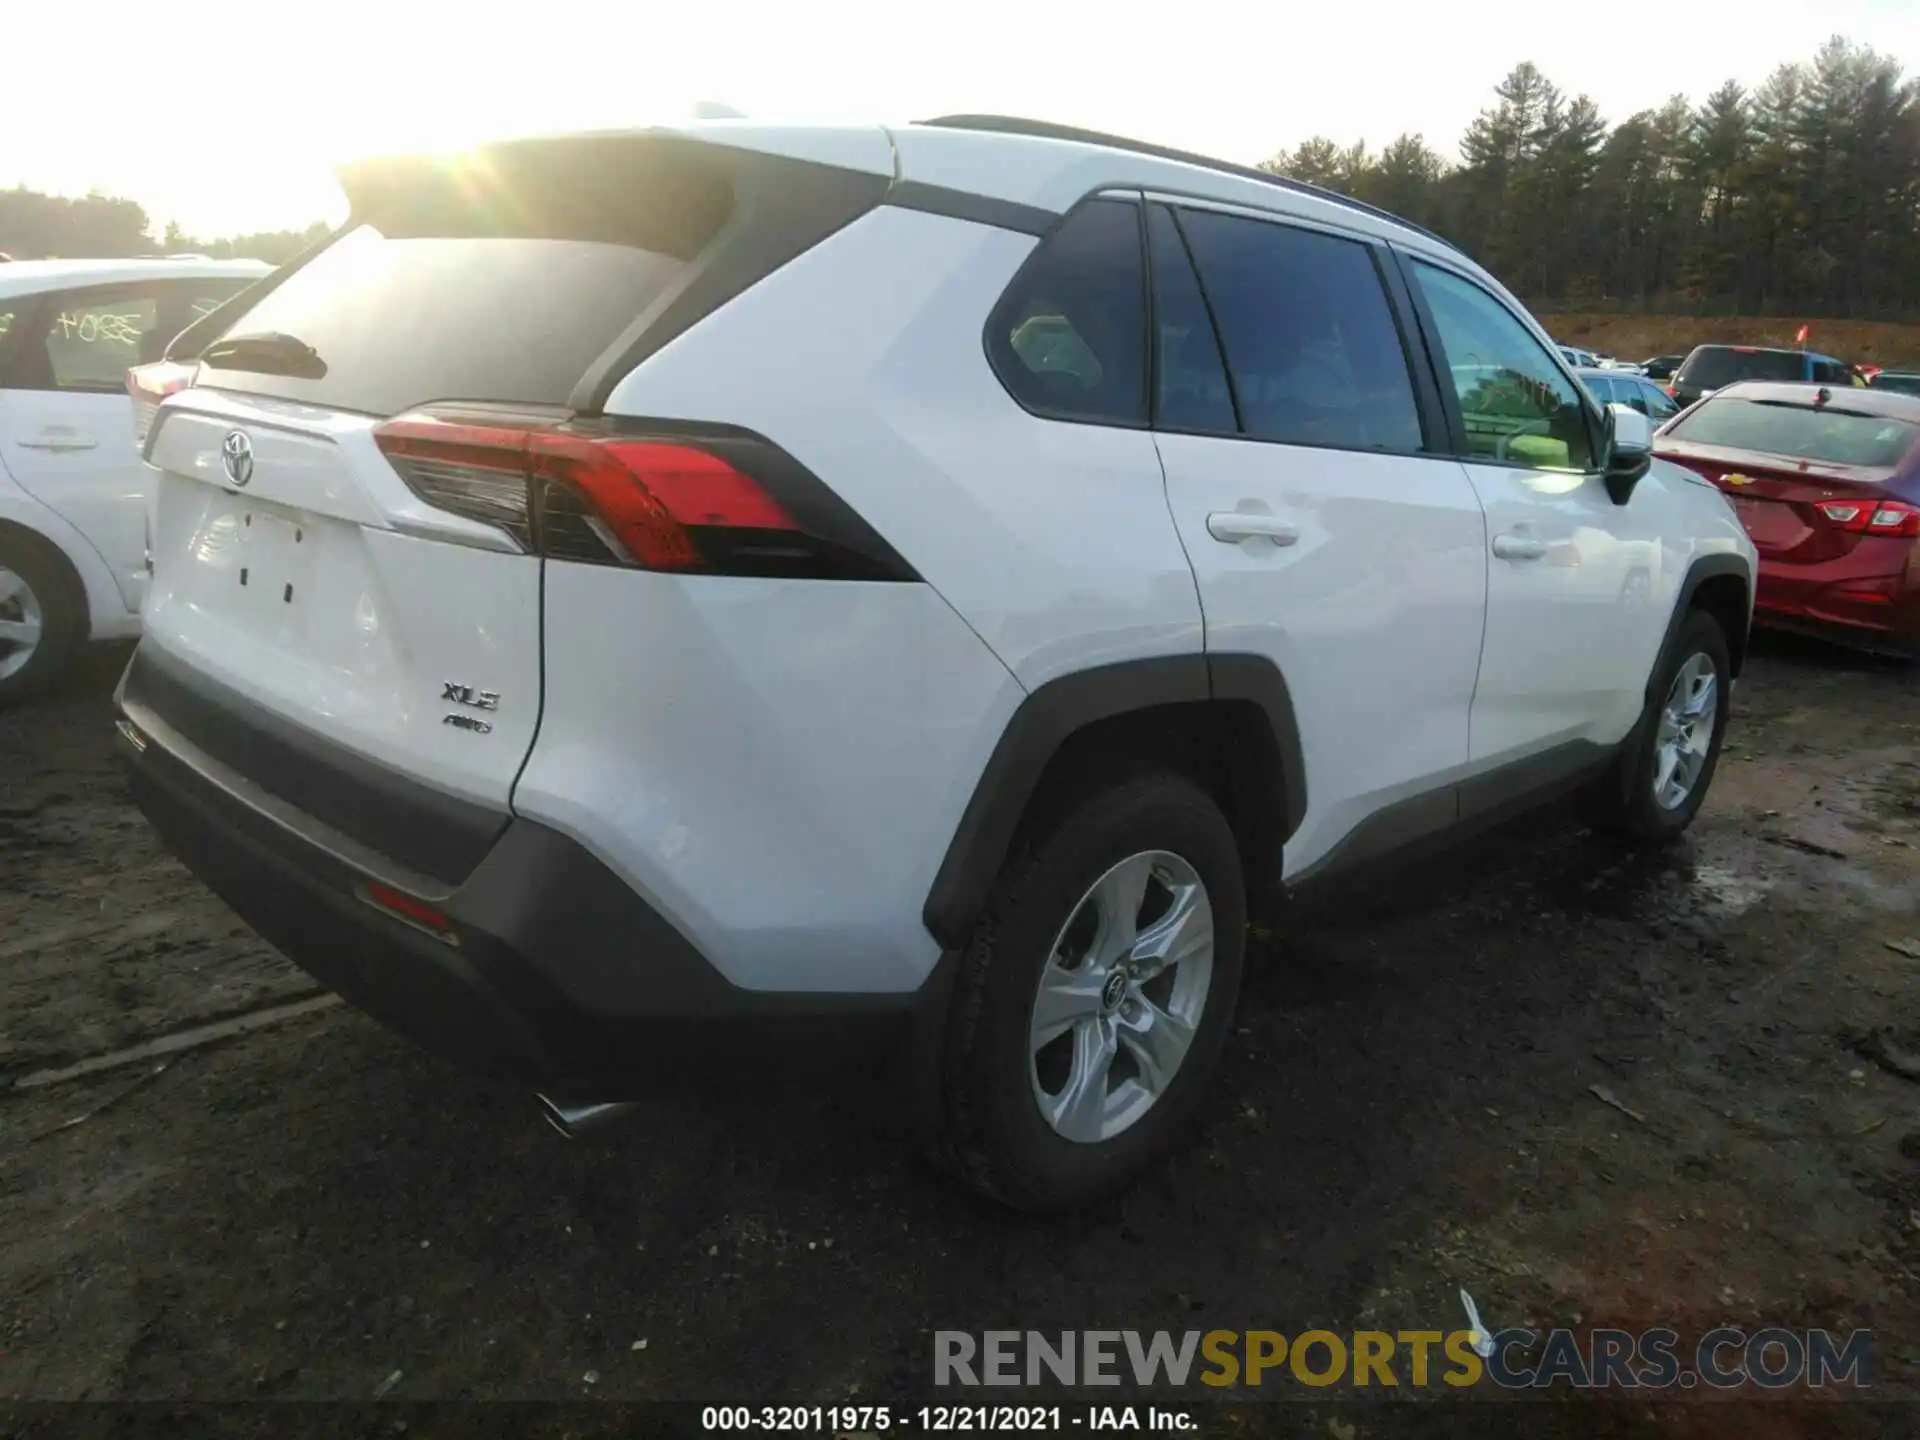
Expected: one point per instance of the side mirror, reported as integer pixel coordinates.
(1629, 451)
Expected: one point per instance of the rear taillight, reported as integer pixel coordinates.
(722, 503)
(478, 471)
(1872, 517)
(148, 385)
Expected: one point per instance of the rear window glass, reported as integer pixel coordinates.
(504, 281)
(1905, 384)
(1828, 434)
(1713, 366)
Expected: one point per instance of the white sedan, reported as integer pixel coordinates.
(73, 489)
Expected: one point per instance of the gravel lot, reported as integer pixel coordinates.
(301, 1212)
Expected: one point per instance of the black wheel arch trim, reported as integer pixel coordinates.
(1050, 715)
(1702, 569)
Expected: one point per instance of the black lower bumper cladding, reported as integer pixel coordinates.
(546, 966)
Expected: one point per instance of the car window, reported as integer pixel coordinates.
(1630, 392)
(90, 342)
(1192, 393)
(1310, 343)
(1660, 405)
(1519, 408)
(1830, 372)
(1829, 433)
(1069, 337)
(1602, 387)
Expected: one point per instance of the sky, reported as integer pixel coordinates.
(228, 117)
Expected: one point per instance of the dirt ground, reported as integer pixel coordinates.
(1636, 337)
(317, 1211)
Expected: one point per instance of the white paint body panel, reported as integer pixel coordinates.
(775, 765)
(1373, 614)
(379, 621)
(1573, 637)
(75, 453)
(864, 359)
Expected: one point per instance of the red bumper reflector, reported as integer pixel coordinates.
(418, 912)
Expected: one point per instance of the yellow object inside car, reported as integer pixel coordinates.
(1540, 450)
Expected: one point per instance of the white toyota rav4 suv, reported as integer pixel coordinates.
(635, 594)
(73, 493)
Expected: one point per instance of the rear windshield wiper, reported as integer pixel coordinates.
(270, 352)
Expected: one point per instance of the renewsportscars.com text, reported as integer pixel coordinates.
(1723, 1359)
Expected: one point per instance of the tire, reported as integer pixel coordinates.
(37, 616)
(1158, 827)
(1626, 803)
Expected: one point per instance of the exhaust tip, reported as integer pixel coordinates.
(578, 1121)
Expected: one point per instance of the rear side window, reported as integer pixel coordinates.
(91, 341)
(1827, 433)
(1659, 404)
(1069, 338)
(502, 280)
(1310, 343)
(1192, 391)
(1603, 389)
(1712, 366)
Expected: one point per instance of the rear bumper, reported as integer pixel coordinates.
(1870, 596)
(552, 969)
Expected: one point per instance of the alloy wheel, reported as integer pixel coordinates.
(1121, 996)
(21, 623)
(1685, 734)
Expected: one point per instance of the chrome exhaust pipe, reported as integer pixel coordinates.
(577, 1121)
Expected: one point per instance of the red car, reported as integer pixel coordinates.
(1827, 482)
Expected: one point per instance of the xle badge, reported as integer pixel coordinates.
(466, 695)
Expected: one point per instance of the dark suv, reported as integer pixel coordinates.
(1710, 367)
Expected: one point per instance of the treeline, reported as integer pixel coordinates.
(1799, 197)
(34, 226)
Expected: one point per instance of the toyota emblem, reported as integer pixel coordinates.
(236, 456)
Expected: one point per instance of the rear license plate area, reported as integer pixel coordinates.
(273, 550)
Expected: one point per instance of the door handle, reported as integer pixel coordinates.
(59, 440)
(1232, 526)
(1518, 547)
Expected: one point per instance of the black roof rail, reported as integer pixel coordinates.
(1050, 130)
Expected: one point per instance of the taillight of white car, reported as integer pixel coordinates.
(148, 385)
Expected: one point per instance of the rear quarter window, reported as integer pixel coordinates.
(1069, 338)
(1801, 432)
